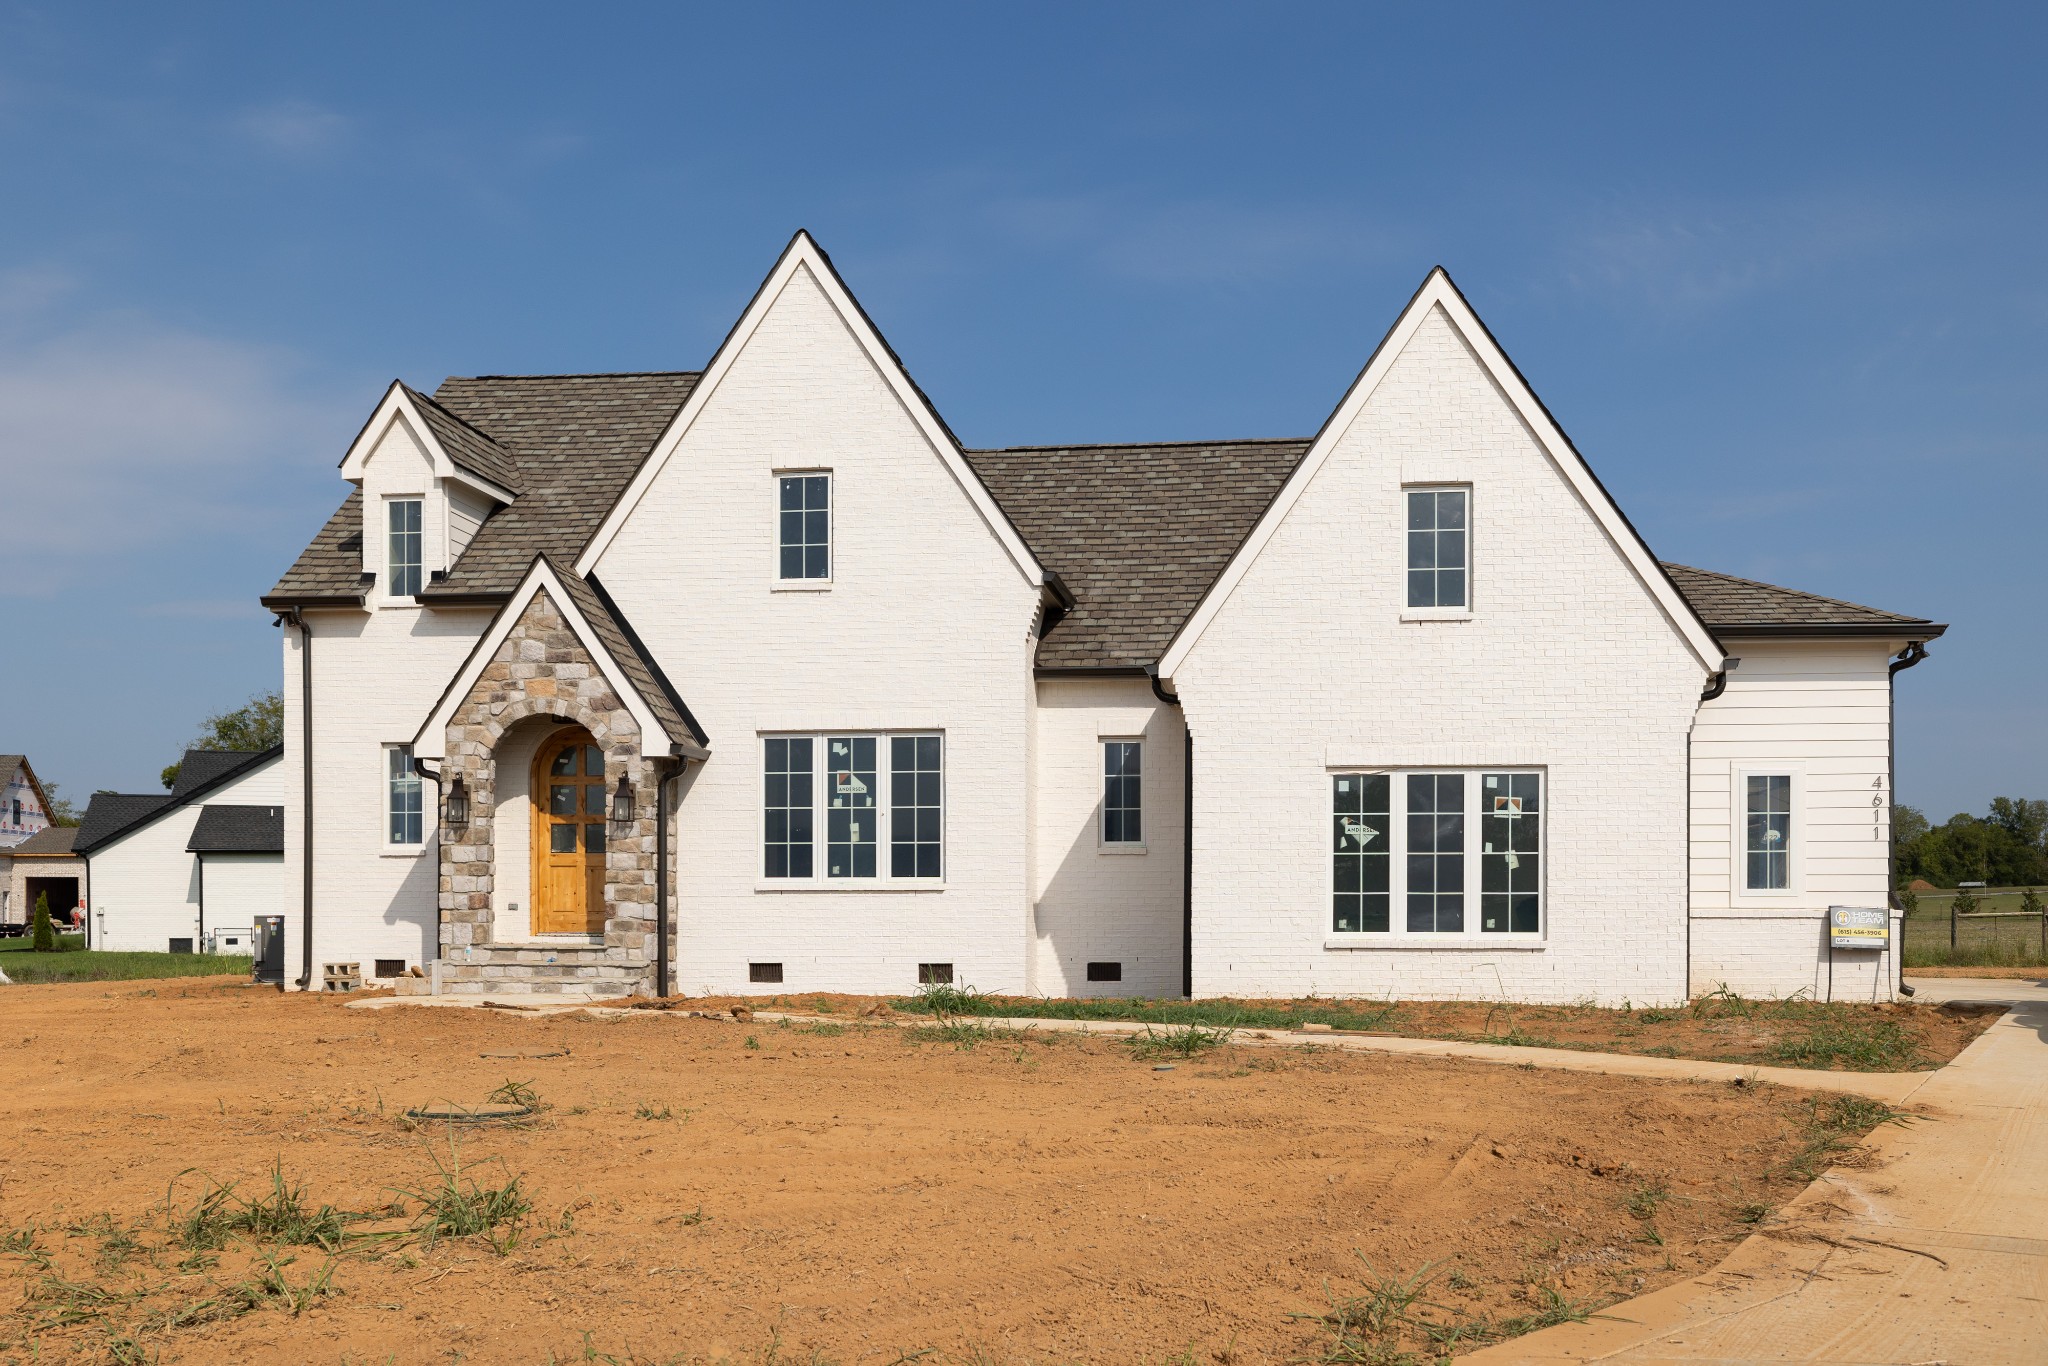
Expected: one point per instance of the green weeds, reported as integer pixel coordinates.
(1186, 1041)
(1833, 1127)
(1394, 1322)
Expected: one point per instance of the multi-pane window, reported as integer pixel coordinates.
(1510, 853)
(1363, 833)
(916, 804)
(402, 557)
(1122, 775)
(840, 803)
(1767, 831)
(404, 805)
(851, 825)
(787, 799)
(1436, 853)
(1439, 547)
(1405, 840)
(806, 526)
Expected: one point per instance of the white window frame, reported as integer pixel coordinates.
(884, 879)
(1103, 842)
(1464, 612)
(1398, 935)
(1738, 834)
(776, 581)
(386, 575)
(387, 791)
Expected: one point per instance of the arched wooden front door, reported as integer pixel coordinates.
(568, 835)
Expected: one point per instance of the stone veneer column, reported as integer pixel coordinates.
(541, 669)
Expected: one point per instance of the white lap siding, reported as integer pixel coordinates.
(144, 888)
(240, 887)
(1819, 713)
(1566, 665)
(1097, 902)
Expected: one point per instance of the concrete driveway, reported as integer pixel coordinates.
(1936, 1251)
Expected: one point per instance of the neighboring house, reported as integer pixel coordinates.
(753, 679)
(41, 865)
(23, 808)
(191, 869)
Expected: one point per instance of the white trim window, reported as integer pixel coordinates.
(1123, 813)
(1767, 832)
(404, 799)
(1439, 548)
(403, 574)
(843, 801)
(804, 525)
(1402, 843)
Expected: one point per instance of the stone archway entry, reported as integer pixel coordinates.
(569, 835)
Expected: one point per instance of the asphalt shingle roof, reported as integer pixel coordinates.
(52, 841)
(201, 767)
(238, 830)
(110, 814)
(467, 446)
(1137, 532)
(643, 673)
(1724, 601)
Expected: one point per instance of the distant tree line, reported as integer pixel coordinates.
(2008, 847)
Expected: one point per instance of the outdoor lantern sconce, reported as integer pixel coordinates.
(622, 803)
(458, 803)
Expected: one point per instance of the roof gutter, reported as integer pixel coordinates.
(1860, 630)
(1915, 651)
(297, 618)
(1187, 835)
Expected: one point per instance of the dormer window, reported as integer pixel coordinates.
(402, 562)
(806, 526)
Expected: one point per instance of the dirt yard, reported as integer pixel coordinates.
(706, 1190)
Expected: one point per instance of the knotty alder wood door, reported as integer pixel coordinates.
(568, 835)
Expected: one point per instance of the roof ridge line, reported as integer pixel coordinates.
(456, 417)
(591, 374)
(1144, 445)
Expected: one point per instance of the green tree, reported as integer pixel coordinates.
(1965, 902)
(2030, 902)
(45, 932)
(258, 725)
(2027, 821)
(62, 811)
(1908, 825)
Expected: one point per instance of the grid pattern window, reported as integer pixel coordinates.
(851, 823)
(806, 522)
(1439, 546)
(1510, 853)
(787, 799)
(917, 802)
(1436, 853)
(1361, 830)
(839, 804)
(404, 802)
(402, 556)
(1404, 841)
(1122, 776)
(1767, 831)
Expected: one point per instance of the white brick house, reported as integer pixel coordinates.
(753, 678)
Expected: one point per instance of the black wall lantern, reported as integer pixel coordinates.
(458, 803)
(622, 803)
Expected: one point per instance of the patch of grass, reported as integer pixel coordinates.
(962, 1034)
(753, 1043)
(1754, 1212)
(519, 1093)
(825, 1029)
(271, 1283)
(1185, 1041)
(1845, 1042)
(1644, 1201)
(1371, 1328)
(1833, 1126)
(457, 1207)
(1217, 1014)
(647, 1111)
(1552, 1308)
(284, 1215)
(75, 963)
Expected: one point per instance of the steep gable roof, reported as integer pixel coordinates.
(467, 446)
(238, 830)
(112, 814)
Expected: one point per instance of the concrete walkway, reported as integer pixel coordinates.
(1937, 1251)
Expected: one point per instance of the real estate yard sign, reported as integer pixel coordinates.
(1852, 927)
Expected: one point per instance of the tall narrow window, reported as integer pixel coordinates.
(1510, 853)
(850, 816)
(806, 526)
(1436, 853)
(1767, 831)
(1361, 836)
(1122, 809)
(916, 806)
(787, 800)
(403, 805)
(403, 561)
(1438, 548)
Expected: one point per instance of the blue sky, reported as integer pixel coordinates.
(1781, 275)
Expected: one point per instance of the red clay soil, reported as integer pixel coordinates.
(2037, 975)
(711, 1190)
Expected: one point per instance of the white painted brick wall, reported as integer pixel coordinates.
(1092, 904)
(1566, 662)
(926, 626)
